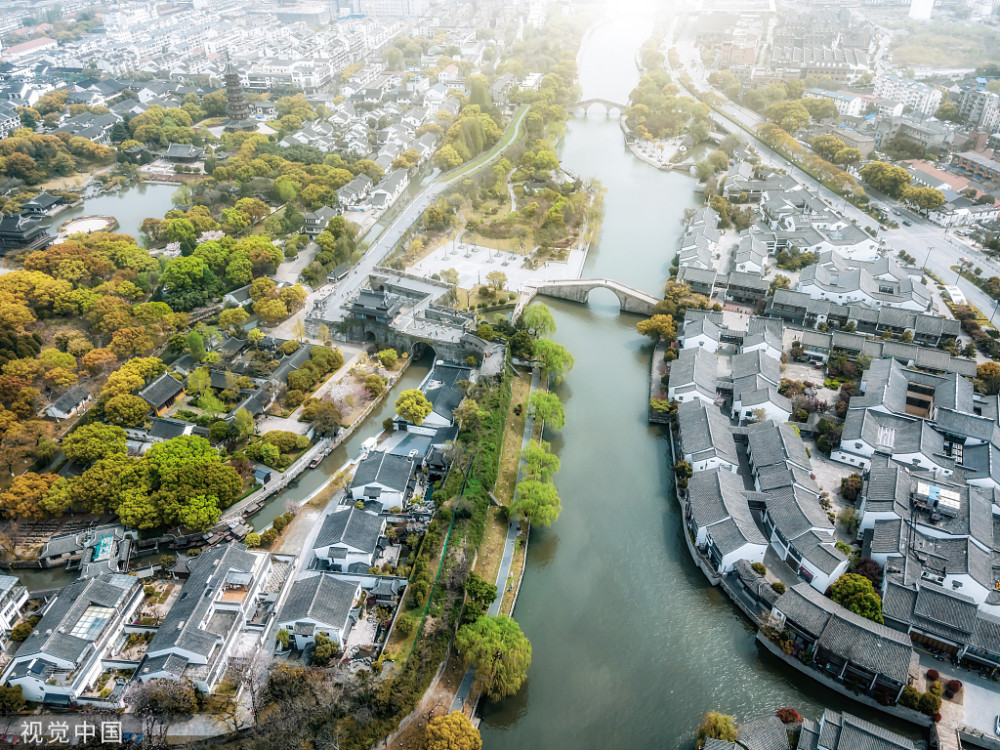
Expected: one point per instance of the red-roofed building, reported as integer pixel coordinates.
(26, 49)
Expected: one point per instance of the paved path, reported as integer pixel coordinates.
(513, 530)
(929, 243)
(332, 303)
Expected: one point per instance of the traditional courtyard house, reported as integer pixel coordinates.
(197, 636)
(706, 440)
(316, 221)
(692, 377)
(350, 540)
(846, 647)
(319, 604)
(62, 656)
(162, 392)
(701, 333)
(843, 731)
(718, 515)
(71, 403)
(384, 478)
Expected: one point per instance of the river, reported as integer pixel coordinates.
(631, 645)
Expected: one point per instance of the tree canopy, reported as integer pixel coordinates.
(856, 593)
(452, 732)
(413, 406)
(499, 652)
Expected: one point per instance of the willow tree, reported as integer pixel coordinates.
(499, 652)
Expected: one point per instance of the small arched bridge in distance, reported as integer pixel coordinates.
(578, 290)
(609, 106)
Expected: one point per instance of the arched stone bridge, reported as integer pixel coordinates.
(578, 290)
(609, 106)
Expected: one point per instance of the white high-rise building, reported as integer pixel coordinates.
(914, 94)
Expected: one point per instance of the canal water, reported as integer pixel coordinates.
(130, 206)
(631, 645)
(310, 481)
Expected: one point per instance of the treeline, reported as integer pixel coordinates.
(657, 111)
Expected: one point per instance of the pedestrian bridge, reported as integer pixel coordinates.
(578, 290)
(609, 106)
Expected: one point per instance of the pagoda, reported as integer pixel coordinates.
(238, 113)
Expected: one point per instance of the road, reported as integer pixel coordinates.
(332, 300)
(513, 531)
(932, 246)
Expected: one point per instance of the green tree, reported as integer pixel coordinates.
(554, 359)
(536, 501)
(11, 699)
(233, 318)
(988, 375)
(540, 461)
(716, 726)
(451, 732)
(924, 198)
(200, 513)
(499, 652)
(244, 423)
(886, 178)
(93, 442)
(126, 410)
(480, 590)
(198, 381)
(788, 115)
(413, 406)
(547, 407)
(538, 319)
(388, 358)
(856, 593)
(196, 345)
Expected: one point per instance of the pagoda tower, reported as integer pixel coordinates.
(238, 114)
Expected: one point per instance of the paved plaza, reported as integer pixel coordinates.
(473, 262)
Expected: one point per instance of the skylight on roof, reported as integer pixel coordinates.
(91, 622)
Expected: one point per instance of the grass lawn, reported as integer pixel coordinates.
(510, 456)
(491, 548)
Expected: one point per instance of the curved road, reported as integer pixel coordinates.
(932, 246)
(378, 251)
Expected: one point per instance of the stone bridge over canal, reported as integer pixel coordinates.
(578, 290)
(609, 106)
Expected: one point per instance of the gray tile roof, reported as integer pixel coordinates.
(848, 732)
(962, 424)
(354, 528)
(888, 489)
(712, 495)
(161, 390)
(756, 363)
(763, 733)
(819, 549)
(52, 636)
(946, 613)
(898, 601)
(385, 469)
(694, 370)
(772, 444)
(795, 512)
(181, 626)
(70, 399)
(442, 390)
(324, 598)
(705, 432)
(867, 644)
